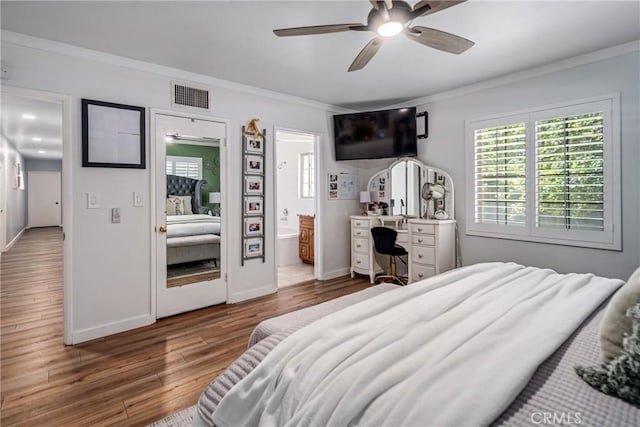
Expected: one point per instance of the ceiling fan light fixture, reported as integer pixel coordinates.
(390, 29)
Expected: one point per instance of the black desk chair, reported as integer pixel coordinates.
(384, 240)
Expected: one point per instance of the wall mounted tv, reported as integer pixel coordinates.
(376, 134)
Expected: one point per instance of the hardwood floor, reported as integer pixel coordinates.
(131, 378)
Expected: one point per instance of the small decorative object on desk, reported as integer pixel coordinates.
(253, 175)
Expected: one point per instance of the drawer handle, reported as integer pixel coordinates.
(357, 262)
(358, 224)
(419, 240)
(357, 246)
(420, 275)
(420, 256)
(420, 230)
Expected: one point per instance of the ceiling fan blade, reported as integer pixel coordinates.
(389, 4)
(439, 39)
(317, 29)
(366, 54)
(374, 3)
(428, 7)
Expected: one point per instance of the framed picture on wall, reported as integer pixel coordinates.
(253, 206)
(253, 226)
(253, 247)
(254, 146)
(113, 135)
(253, 184)
(254, 164)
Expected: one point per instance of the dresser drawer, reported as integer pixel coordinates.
(361, 261)
(423, 255)
(423, 239)
(422, 228)
(419, 272)
(360, 232)
(360, 223)
(361, 245)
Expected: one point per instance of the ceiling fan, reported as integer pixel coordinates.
(389, 18)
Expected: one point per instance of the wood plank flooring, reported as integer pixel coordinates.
(128, 379)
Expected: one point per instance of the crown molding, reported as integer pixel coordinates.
(564, 64)
(46, 45)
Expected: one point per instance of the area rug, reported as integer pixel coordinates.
(179, 419)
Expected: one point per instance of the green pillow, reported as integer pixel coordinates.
(615, 324)
(621, 376)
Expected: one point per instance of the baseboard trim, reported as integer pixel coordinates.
(15, 239)
(250, 294)
(328, 275)
(111, 328)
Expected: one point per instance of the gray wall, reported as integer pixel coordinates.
(445, 148)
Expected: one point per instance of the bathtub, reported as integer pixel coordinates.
(288, 245)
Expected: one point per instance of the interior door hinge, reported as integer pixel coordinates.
(225, 277)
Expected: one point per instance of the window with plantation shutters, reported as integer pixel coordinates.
(570, 172)
(190, 167)
(547, 175)
(499, 180)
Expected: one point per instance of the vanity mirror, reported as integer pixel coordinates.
(414, 189)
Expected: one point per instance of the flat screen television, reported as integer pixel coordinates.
(376, 134)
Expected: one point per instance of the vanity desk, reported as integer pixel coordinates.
(412, 190)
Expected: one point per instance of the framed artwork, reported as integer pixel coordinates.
(253, 226)
(254, 164)
(253, 184)
(113, 135)
(342, 186)
(253, 247)
(253, 205)
(254, 146)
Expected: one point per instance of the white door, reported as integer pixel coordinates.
(190, 247)
(44, 199)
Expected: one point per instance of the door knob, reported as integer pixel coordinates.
(162, 229)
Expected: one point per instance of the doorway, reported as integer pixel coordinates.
(44, 196)
(190, 239)
(296, 183)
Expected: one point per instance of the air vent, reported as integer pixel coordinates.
(189, 95)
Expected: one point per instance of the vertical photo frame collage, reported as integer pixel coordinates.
(253, 181)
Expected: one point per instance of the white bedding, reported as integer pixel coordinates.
(192, 225)
(452, 350)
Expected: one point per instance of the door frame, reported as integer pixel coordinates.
(67, 213)
(224, 186)
(30, 200)
(317, 243)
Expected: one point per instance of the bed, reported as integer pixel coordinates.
(194, 235)
(543, 386)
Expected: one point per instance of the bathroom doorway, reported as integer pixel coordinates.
(296, 183)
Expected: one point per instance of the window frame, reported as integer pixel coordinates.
(311, 176)
(610, 237)
(188, 159)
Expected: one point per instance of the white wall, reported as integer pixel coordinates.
(111, 262)
(445, 149)
(288, 173)
(16, 199)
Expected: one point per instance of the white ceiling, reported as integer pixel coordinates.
(234, 41)
(46, 125)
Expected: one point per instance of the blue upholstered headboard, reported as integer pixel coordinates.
(183, 186)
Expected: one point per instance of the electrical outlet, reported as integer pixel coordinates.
(115, 215)
(138, 199)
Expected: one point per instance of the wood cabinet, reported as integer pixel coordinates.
(306, 238)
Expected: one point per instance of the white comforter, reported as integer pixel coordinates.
(192, 225)
(453, 350)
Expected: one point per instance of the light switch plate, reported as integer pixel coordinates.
(93, 201)
(115, 215)
(138, 199)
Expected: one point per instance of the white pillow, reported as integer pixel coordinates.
(186, 205)
(175, 205)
